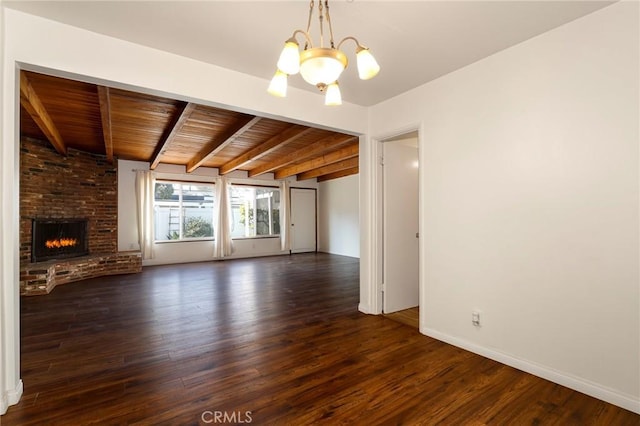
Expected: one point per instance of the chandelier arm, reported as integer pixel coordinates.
(307, 38)
(359, 46)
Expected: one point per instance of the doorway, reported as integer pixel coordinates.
(400, 223)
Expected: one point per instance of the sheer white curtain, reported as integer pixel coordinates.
(223, 246)
(145, 188)
(285, 216)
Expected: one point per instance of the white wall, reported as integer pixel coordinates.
(10, 383)
(338, 221)
(38, 44)
(530, 210)
(3, 331)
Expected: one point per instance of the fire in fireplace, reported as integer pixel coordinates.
(58, 238)
(61, 242)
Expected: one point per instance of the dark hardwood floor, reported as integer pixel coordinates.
(410, 317)
(273, 340)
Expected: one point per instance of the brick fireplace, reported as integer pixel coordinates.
(56, 189)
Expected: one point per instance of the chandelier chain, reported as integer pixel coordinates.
(326, 4)
(321, 17)
(311, 5)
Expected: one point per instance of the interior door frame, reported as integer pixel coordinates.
(377, 219)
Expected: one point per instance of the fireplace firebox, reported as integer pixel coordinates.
(58, 238)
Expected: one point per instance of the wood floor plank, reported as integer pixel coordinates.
(410, 317)
(279, 337)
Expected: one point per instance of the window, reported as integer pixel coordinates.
(183, 211)
(255, 211)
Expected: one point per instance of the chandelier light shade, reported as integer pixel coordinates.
(278, 85)
(333, 96)
(367, 65)
(320, 66)
(289, 61)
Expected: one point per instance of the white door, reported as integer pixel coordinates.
(303, 220)
(400, 226)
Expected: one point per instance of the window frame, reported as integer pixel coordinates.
(251, 185)
(181, 207)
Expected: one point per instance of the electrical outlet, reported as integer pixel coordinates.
(475, 318)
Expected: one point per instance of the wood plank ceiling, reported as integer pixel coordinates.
(127, 125)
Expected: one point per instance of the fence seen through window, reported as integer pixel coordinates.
(183, 211)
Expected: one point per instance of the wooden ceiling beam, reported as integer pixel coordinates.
(316, 148)
(345, 153)
(341, 173)
(33, 105)
(221, 141)
(331, 168)
(278, 141)
(185, 109)
(104, 98)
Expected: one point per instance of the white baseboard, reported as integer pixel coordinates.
(4, 404)
(627, 402)
(11, 397)
(364, 308)
(14, 395)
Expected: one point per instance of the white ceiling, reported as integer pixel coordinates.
(414, 42)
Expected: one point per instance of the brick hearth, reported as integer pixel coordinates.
(42, 277)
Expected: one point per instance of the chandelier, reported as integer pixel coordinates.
(320, 66)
